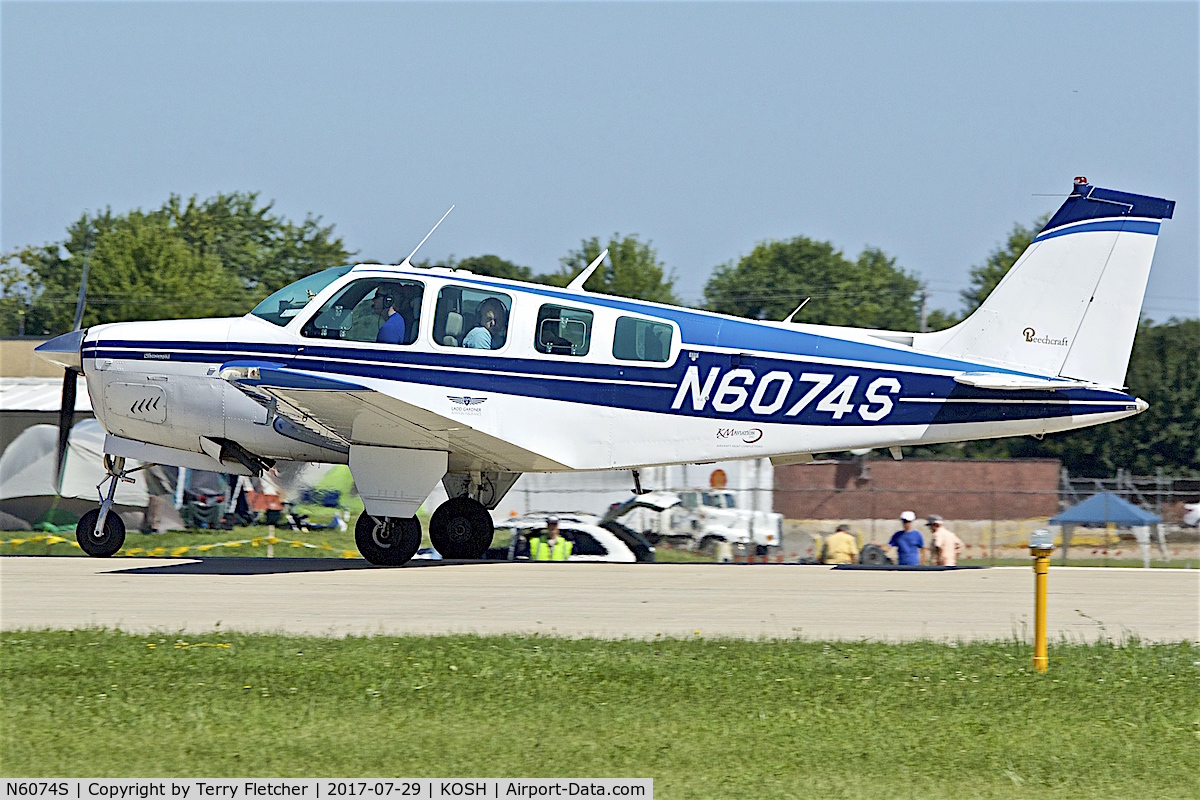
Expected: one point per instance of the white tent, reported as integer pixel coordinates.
(40, 394)
(27, 466)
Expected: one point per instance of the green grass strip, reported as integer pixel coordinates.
(705, 719)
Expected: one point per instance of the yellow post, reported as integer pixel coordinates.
(1041, 568)
(1041, 545)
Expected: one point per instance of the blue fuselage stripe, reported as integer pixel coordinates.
(699, 329)
(917, 399)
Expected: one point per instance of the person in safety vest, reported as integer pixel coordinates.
(550, 547)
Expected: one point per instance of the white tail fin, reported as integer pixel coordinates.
(1070, 305)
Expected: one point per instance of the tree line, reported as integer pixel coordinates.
(221, 255)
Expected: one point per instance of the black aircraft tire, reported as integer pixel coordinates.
(391, 544)
(874, 555)
(461, 528)
(100, 546)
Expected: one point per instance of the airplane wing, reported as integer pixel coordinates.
(334, 413)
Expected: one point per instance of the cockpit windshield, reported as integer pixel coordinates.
(286, 303)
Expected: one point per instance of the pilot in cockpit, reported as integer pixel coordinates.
(369, 318)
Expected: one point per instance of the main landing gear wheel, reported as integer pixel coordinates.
(104, 544)
(461, 528)
(387, 541)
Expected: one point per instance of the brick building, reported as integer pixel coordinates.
(881, 488)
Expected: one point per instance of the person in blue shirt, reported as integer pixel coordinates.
(392, 330)
(486, 335)
(908, 542)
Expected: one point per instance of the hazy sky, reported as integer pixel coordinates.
(924, 129)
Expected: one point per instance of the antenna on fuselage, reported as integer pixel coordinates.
(797, 311)
(581, 278)
(407, 262)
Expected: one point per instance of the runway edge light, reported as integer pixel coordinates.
(1041, 545)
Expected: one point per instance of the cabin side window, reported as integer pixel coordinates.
(563, 331)
(471, 318)
(641, 340)
(382, 310)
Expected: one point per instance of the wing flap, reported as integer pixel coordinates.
(1007, 382)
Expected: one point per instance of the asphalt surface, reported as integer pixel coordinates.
(334, 598)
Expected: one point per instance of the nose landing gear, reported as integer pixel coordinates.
(387, 541)
(101, 532)
(100, 539)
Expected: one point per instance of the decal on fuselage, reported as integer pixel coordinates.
(766, 395)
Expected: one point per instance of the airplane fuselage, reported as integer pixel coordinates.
(724, 388)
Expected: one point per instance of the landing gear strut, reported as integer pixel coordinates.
(101, 532)
(387, 541)
(461, 528)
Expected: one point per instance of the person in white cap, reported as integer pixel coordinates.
(908, 542)
(944, 545)
(550, 547)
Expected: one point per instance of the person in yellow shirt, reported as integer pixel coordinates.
(840, 547)
(551, 546)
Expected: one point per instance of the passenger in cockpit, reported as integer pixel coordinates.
(487, 335)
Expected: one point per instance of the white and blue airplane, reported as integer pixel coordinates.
(414, 376)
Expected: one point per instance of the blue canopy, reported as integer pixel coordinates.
(1105, 508)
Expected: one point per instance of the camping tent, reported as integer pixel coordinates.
(1108, 509)
(27, 470)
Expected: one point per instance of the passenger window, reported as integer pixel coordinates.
(584, 544)
(563, 331)
(472, 318)
(641, 340)
(387, 311)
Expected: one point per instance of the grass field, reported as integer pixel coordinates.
(237, 542)
(705, 719)
(244, 542)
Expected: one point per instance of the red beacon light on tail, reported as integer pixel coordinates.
(1080, 180)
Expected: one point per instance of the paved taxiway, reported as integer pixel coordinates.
(332, 597)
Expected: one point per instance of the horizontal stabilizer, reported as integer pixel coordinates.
(1008, 382)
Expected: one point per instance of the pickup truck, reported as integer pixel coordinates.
(699, 518)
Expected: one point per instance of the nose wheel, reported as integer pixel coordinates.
(387, 541)
(461, 528)
(100, 532)
(96, 541)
